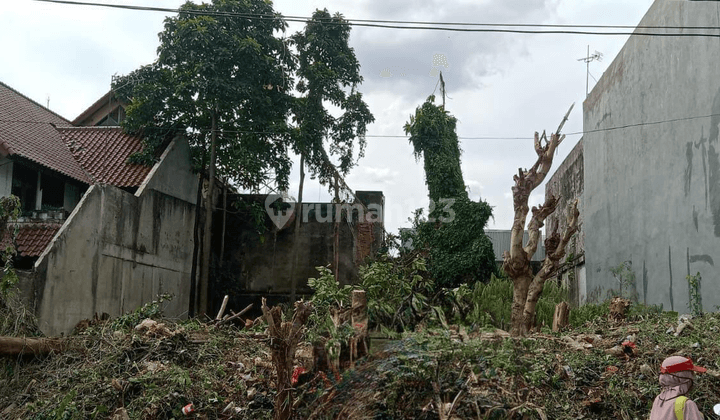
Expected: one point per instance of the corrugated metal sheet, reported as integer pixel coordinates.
(501, 243)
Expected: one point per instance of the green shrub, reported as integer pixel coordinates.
(489, 304)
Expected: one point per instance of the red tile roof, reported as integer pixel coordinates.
(32, 238)
(103, 152)
(27, 129)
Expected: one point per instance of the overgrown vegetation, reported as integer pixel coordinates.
(626, 282)
(695, 303)
(452, 237)
(541, 377)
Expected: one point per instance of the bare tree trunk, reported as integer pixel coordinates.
(207, 234)
(336, 242)
(296, 234)
(516, 262)
(224, 222)
(520, 291)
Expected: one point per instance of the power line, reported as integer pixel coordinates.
(576, 133)
(446, 26)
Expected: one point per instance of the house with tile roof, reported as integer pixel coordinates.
(49, 162)
(98, 233)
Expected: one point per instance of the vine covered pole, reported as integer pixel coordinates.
(527, 286)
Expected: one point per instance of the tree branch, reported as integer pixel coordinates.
(537, 222)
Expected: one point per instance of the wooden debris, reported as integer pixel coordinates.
(359, 319)
(236, 315)
(220, 314)
(21, 346)
(561, 318)
(618, 308)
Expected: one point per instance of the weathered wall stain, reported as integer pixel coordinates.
(688, 167)
(645, 282)
(714, 164)
(702, 258)
(672, 304)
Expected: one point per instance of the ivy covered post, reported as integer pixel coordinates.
(527, 286)
(453, 236)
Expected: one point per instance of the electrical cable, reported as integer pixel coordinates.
(448, 26)
(620, 127)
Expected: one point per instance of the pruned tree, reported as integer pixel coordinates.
(527, 286)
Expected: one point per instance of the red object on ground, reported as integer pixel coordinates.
(188, 409)
(299, 370)
(629, 344)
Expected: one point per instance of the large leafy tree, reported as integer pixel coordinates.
(330, 114)
(453, 236)
(328, 77)
(222, 77)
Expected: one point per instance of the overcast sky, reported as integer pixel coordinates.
(498, 85)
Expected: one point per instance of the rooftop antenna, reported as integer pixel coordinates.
(48, 102)
(597, 56)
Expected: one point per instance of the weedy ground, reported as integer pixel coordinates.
(459, 373)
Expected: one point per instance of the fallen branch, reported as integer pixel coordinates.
(228, 319)
(21, 346)
(220, 314)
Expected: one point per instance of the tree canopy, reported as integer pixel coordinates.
(213, 61)
(328, 73)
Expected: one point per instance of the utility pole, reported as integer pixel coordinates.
(597, 56)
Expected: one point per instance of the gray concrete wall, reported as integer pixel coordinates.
(118, 251)
(568, 183)
(652, 191)
(262, 264)
(172, 175)
(115, 253)
(6, 172)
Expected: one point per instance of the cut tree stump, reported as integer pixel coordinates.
(618, 308)
(284, 338)
(359, 319)
(19, 346)
(561, 319)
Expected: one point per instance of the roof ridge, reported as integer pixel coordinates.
(37, 103)
(89, 127)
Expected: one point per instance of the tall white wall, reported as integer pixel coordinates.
(652, 190)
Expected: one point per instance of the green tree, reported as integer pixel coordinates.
(453, 236)
(223, 80)
(328, 77)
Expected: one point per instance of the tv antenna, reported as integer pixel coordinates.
(597, 56)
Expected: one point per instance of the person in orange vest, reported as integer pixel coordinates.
(677, 374)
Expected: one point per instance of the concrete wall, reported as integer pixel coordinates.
(172, 174)
(115, 253)
(262, 264)
(652, 191)
(6, 171)
(567, 183)
(118, 251)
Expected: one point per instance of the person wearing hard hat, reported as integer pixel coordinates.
(677, 374)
